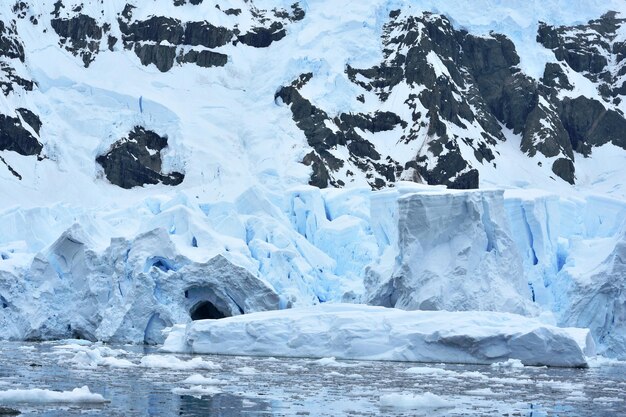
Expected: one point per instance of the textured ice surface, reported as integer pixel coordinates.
(348, 331)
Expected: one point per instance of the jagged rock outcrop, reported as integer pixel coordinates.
(459, 89)
(166, 41)
(80, 35)
(136, 161)
(593, 50)
(158, 39)
(12, 60)
(16, 133)
(19, 132)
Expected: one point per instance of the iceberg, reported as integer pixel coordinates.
(348, 331)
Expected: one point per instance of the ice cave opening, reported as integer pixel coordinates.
(204, 310)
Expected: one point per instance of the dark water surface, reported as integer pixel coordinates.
(243, 386)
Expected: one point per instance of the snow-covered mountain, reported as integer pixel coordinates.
(174, 159)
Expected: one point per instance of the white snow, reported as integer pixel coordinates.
(347, 331)
(43, 396)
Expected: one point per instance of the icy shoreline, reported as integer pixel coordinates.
(347, 331)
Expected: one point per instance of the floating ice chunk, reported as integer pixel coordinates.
(90, 358)
(599, 361)
(426, 401)
(485, 392)
(246, 370)
(511, 363)
(172, 362)
(44, 396)
(423, 370)
(93, 359)
(197, 379)
(349, 331)
(197, 391)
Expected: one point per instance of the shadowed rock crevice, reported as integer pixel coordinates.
(136, 161)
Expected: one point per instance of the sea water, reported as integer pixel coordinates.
(249, 386)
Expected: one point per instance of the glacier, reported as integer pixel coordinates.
(412, 247)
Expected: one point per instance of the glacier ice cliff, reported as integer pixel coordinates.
(124, 275)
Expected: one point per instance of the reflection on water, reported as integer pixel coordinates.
(296, 387)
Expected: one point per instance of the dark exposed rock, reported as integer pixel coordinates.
(136, 161)
(20, 9)
(11, 48)
(297, 13)
(160, 55)
(155, 29)
(4, 411)
(16, 175)
(206, 34)
(314, 123)
(205, 59)
(440, 98)
(262, 37)
(544, 132)
(155, 40)
(13, 80)
(509, 95)
(591, 50)
(31, 118)
(183, 2)
(555, 77)
(378, 122)
(589, 124)
(80, 35)
(58, 5)
(320, 177)
(127, 13)
(463, 88)
(10, 45)
(564, 168)
(232, 12)
(15, 137)
(111, 42)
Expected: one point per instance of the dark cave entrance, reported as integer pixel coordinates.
(205, 310)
